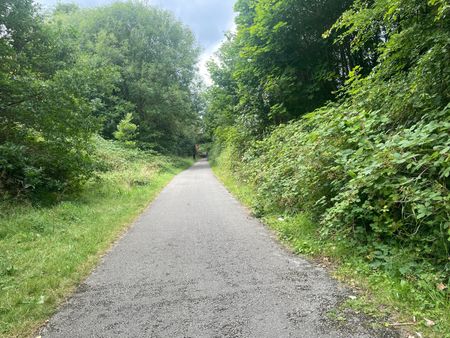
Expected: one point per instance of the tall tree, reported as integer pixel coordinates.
(46, 120)
(155, 57)
(285, 67)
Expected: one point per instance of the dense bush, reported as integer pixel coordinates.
(373, 167)
(391, 189)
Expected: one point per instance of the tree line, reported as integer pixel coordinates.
(340, 109)
(124, 71)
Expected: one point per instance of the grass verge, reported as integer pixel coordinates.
(46, 251)
(417, 309)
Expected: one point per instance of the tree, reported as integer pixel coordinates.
(282, 66)
(222, 96)
(154, 58)
(126, 130)
(46, 121)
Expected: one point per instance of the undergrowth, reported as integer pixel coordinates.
(415, 302)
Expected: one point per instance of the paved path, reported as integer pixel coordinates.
(196, 264)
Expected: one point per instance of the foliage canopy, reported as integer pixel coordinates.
(79, 72)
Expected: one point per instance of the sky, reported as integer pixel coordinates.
(208, 19)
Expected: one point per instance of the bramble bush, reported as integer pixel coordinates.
(373, 167)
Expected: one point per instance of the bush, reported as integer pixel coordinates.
(42, 167)
(375, 166)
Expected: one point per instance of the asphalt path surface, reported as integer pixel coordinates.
(196, 264)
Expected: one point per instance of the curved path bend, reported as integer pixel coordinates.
(196, 264)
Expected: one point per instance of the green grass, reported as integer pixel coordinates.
(243, 192)
(46, 251)
(388, 299)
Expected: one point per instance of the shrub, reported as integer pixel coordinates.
(373, 167)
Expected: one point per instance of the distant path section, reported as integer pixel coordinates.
(196, 264)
